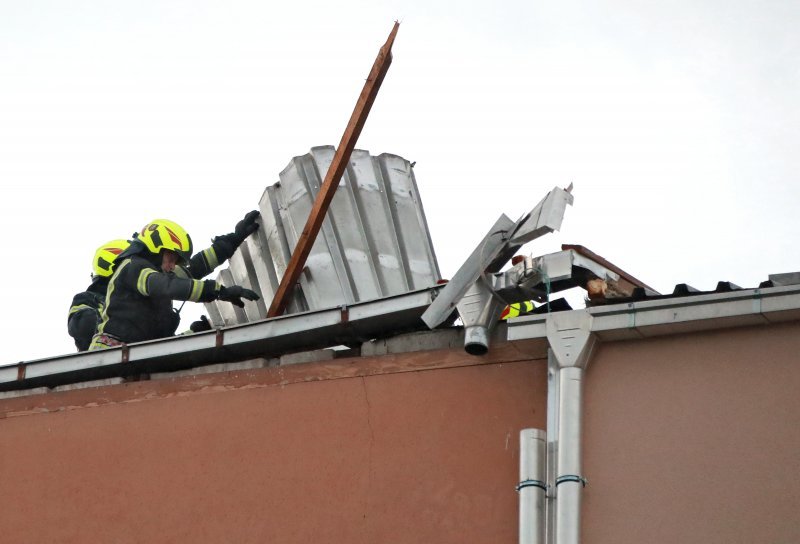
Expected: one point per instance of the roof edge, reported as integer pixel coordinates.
(636, 320)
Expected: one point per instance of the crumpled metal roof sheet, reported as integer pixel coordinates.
(374, 242)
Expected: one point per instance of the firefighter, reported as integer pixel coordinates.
(84, 314)
(158, 268)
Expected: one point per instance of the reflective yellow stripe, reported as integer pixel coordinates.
(211, 258)
(512, 310)
(97, 345)
(76, 309)
(516, 309)
(197, 290)
(141, 285)
(94, 346)
(110, 289)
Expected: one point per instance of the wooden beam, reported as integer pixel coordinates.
(624, 277)
(334, 175)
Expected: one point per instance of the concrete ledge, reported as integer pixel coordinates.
(212, 369)
(23, 393)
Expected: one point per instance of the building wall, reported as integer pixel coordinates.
(414, 448)
(694, 439)
(691, 438)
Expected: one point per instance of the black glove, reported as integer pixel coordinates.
(235, 293)
(246, 226)
(226, 244)
(200, 325)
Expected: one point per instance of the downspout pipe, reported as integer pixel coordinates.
(480, 311)
(532, 486)
(571, 347)
(569, 480)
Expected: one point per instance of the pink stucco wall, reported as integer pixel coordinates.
(694, 439)
(427, 456)
(690, 439)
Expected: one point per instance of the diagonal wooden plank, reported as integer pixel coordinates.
(335, 172)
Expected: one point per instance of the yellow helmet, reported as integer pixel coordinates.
(161, 234)
(104, 257)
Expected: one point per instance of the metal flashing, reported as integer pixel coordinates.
(9, 373)
(789, 278)
(266, 338)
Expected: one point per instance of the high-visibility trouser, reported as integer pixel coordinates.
(104, 341)
(517, 309)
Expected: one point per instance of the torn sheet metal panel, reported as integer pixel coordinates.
(486, 252)
(299, 185)
(275, 251)
(243, 271)
(497, 247)
(544, 218)
(418, 261)
(263, 273)
(374, 241)
(532, 278)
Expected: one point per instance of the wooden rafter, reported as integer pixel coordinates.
(334, 175)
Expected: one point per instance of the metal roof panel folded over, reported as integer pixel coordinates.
(374, 241)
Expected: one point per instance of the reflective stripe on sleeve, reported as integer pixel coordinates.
(211, 258)
(141, 284)
(76, 309)
(197, 290)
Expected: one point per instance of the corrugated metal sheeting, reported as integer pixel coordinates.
(374, 241)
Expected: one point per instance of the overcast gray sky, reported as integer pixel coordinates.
(676, 121)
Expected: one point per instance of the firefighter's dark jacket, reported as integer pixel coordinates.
(84, 313)
(138, 303)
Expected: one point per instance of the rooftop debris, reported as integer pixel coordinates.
(498, 246)
(374, 241)
(622, 287)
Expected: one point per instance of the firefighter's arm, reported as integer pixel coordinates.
(152, 283)
(222, 247)
(159, 284)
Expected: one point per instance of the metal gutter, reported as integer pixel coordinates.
(635, 320)
(266, 338)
